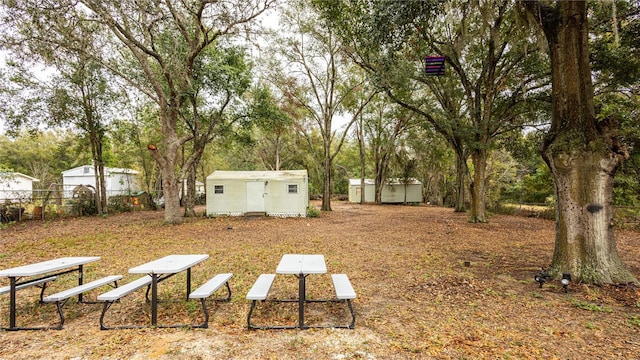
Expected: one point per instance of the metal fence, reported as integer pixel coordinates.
(58, 201)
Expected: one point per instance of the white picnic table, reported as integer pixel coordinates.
(164, 268)
(50, 268)
(301, 265)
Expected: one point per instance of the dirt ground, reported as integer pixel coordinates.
(430, 285)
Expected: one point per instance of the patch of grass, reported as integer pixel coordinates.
(491, 292)
(590, 325)
(635, 320)
(193, 307)
(7, 225)
(537, 295)
(296, 343)
(585, 305)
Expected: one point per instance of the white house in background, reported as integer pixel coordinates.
(274, 193)
(393, 191)
(117, 181)
(15, 186)
(199, 187)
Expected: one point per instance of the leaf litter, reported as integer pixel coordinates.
(430, 285)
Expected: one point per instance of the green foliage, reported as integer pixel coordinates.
(585, 305)
(119, 204)
(615, 61)
(313, 212)
(43, 155)
(537, 186)
(84, 207)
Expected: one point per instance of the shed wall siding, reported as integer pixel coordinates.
(232, 202)
(116, 183)
(391, 194)
(369, 193)
(277, 200)
(15, 188)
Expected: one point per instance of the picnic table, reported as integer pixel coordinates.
(301, 266)
(164, 268)
(50, 269)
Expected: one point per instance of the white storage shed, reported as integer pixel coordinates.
(15, 186)
(393, 191)
(118, 181)
(274, 193)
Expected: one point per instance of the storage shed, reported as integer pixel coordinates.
(393, 191)
(274, 193)
(15, 186)
(118, 181)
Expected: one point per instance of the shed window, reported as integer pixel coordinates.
(292, 188)
(218, 189)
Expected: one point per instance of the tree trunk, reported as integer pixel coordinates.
(171, 191)
(585, 243)
(101, 186)
(360, 136)
(583, 155)
(461, 173)
(326, 186)
(189, 194)
(382, 164)
(478, 186)
(98, 164)
(167, 162)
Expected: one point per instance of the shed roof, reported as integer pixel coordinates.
(395, 181)
(258, 175)
(9, 175)
(79, 171)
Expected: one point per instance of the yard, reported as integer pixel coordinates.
(430, 285)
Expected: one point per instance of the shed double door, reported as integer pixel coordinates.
(255, 196)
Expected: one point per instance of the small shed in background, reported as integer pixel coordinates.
(274, 193)
(393, 191)
(118, 181)
(16, 186)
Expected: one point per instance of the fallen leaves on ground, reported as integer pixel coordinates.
(430, 285)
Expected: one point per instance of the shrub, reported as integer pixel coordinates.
(313, 212)
(118, 204)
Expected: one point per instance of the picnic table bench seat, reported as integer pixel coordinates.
(41, 283)
(344, 292)
(260, 288)
(116, 294)
(61, 297)
(259, 292)
(206, 290)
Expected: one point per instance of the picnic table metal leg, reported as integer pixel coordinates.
(188, 282)
(154, 299)
(80, 273)
(12, 303)
(301, 298)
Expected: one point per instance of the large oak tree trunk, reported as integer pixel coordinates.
(585, 243)
(461, 173)
(167, 162)
(582, 153)
(478, 186)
